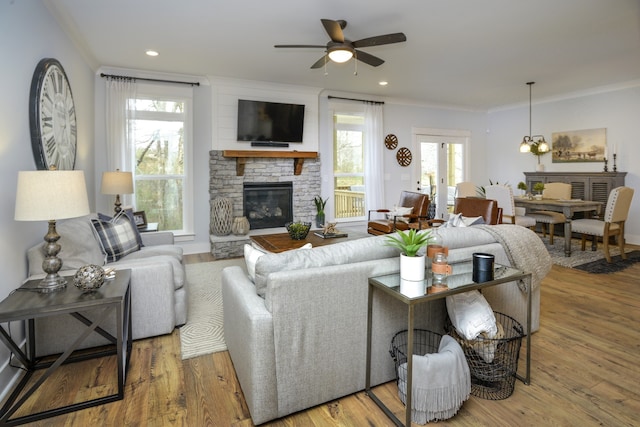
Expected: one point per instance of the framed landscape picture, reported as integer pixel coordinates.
(577, 146)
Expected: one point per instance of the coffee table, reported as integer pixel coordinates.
(281, 242)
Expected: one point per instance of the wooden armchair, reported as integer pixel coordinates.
(473, 207)
(408, 199)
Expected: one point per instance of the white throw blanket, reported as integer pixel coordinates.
(441, 383)
(524, 254)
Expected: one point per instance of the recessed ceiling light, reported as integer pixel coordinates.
(383, 83)
(152, 53)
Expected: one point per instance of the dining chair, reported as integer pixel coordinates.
(511, 214)
(556, 191)
(465, 189)
(416, 203)
(611, 224)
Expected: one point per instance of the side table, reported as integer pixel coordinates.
(114, 297)
(460, 281)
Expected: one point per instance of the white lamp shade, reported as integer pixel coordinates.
(117, 183)
(45, 195)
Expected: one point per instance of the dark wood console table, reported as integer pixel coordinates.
(113, 298)
(591, 186)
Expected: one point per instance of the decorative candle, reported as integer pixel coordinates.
(605, 152)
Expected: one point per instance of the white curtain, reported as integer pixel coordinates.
(373, 160)
(119, 139)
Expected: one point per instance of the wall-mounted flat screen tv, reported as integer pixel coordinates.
(270, 121)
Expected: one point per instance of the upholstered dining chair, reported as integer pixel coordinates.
(503, 194)
(465, 189)
(557, 191)
(395, 220)
(611, 224)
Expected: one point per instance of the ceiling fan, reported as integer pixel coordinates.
(340, 49)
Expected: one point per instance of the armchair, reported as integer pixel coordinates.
(612, 223)
(408, 199)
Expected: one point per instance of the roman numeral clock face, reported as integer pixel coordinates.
(52, 116)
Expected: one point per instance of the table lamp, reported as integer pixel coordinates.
(117, 183)
(50, 195)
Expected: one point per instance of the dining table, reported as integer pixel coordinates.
(567, 207)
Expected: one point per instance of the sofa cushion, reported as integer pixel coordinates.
(252, 253)
(116, 239)
(365, 249)
(78, 245)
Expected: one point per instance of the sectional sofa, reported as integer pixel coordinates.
(296, 333)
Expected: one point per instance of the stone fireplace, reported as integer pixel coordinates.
(224, 181)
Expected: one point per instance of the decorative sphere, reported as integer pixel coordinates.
(89, 277)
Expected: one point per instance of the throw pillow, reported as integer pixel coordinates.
(455, 220)
(124, 215)
(252, 253)
(471, 314)
(116, 239)
(473, 220)
(398, 212)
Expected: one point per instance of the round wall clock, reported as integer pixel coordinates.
(391, 141)
(403, 156)
(52, 117)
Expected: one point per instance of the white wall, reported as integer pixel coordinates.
(28, 33)
(616, 110)
(225, 94)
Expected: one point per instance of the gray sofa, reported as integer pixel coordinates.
(297, 337)
(158, 295)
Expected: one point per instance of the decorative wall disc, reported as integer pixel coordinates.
(391, 141)
(403, 156)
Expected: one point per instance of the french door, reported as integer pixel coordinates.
(442, 166)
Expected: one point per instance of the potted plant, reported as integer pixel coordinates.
(320, 204)
(410, 242)
(538, 187)
(523, 187)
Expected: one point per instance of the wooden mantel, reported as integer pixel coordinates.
(241, 157)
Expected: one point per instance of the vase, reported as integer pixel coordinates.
(240, 226)
(221, 210)
(540, 167)
(412, 267)
(320, 220)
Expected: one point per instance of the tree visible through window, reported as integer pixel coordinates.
(159, 160)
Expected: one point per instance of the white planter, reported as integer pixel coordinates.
(412, 288)
(412, 267)
(540, 167)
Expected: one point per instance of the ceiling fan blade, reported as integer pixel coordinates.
(334, 30)
(320, 62)
(367, 58)
(380, 40)
(301, 45)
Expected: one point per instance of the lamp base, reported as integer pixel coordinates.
(51, 283)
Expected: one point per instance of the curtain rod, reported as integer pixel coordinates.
(355, 99)
(149, 80)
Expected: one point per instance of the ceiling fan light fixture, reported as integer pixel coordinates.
(340, 54)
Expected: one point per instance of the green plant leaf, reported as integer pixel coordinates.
(409, 242)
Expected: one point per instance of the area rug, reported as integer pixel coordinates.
(203, 333)
(617, 264)
(578, 257)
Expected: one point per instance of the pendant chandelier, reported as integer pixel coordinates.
(535, 142)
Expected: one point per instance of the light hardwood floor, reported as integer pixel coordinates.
(585, 372)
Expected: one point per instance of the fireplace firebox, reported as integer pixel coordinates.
(268, 204)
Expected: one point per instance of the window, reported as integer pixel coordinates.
(161, 130)
(348, 166)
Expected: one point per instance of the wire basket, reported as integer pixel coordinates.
(493, 363)
(424, 341)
